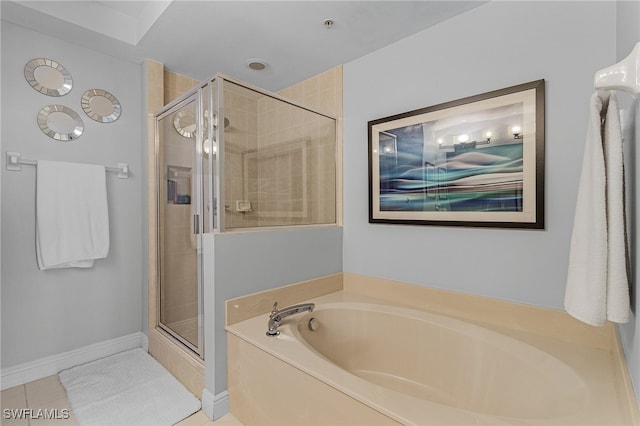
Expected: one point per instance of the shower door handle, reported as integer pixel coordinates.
(196, 223)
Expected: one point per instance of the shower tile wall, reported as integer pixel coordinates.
(322, 92)
(176, 84)
(162, 87)
(241, 136)
(285, 163)
(180, 306)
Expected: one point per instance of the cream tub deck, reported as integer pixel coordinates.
(374, 362)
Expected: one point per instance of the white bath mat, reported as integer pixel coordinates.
(129, 388)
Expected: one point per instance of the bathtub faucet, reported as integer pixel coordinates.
(278, 315)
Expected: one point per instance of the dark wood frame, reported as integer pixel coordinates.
(531, 216)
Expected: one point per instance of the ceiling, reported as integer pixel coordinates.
(201, 38)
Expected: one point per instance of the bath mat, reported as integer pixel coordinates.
(129, 388)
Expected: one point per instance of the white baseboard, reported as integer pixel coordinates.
(215, 406)
(144, 342)
(47, 366)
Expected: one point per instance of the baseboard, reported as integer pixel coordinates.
(144, 342)
(47, 366)
(215, 406)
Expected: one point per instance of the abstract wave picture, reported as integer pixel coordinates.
(487, 179)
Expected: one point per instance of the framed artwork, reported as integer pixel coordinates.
(477, 161)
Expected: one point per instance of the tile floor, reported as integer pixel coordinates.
(48, 393)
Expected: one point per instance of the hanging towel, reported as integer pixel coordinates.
(72, 221)
(597, 282)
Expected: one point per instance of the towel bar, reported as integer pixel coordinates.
(15, 163)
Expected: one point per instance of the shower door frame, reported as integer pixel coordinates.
(195, 96)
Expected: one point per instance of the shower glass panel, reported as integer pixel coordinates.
(231, 156)
(180, 211)
(279, 161)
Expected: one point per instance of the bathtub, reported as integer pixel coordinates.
(413, 367)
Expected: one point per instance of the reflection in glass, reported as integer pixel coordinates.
(280, 162)
(180, 213)
(48, 77)
(60, 122)
(185, 123)
(101, 105)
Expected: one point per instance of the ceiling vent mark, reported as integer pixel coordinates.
(256, 64)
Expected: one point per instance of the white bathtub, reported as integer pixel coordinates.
(416, 367)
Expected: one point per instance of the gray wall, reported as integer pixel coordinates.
(237, 264)
(628, 34)
(49, 312)
(496, 45)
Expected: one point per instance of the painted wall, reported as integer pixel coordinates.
(49, 312)
(496, 45)
(513, 42)
(239, 263)
(628, 34)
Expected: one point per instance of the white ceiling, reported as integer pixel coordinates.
(129, 8)
(200, 38)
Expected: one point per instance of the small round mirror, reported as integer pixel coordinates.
(60, 122)
(185, 124)
(101, 105)
(48, 77)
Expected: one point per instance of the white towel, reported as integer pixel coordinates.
(597, 282)
(72, 220)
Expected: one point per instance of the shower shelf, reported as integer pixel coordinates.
(178, 185)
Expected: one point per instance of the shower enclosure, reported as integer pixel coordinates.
(232, 157)
(180, 203)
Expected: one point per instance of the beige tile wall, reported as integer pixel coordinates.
(324, 93)
(179, 283)
(291, 177)
(176, 84)
(240, 138)
(162, 87)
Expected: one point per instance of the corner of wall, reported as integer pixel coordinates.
(215, 406)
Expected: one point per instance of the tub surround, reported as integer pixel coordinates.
(484, 310)
(257, 361)
(246, 307)
(266, 391)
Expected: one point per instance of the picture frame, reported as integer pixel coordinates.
(476, 161)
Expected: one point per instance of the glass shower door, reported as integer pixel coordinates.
(180, 223)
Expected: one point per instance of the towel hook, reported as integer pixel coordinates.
(624, 75)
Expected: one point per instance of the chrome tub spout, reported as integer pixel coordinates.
(277, 315)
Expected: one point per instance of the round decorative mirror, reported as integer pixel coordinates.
(60, 122)
(185, 124)
(48, 77)
(101, 105)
